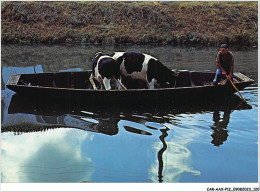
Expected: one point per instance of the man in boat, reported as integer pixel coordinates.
(225, 64)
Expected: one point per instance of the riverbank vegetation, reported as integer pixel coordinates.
(171, 22)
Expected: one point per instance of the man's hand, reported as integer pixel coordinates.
(224, 73)
(229, 77)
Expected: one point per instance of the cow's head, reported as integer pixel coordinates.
(96, 57)
(165, 76)
(98, 54)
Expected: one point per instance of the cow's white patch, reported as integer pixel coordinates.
(97, 74)
(106, 82)
(103, 57)
(151, 84)
(148, 57)
(117, 55)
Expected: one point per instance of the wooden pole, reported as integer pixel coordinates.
(235, 88)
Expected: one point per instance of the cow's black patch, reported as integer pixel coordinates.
(133, 62)
(151, 70)
(108, 68)
(132, 83)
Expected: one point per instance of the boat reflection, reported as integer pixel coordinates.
(105, 119)
(109, 120)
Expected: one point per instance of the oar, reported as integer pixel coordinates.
(235, 88)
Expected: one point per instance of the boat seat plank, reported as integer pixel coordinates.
(241, 77)
(13, 80)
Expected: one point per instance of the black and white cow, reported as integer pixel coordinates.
(139, 70)
(106, 71)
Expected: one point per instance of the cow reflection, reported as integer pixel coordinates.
(220, 132)
(106, 126)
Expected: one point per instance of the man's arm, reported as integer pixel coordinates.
(231, 66)
(222, 70)
(219, 66)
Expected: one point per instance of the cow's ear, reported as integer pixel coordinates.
(98, 54)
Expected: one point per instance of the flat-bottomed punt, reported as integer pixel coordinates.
(74, 87)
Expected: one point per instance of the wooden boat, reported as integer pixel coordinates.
(75, 87)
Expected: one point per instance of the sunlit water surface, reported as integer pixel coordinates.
(48, 144)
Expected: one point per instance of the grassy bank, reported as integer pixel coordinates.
(176, 23)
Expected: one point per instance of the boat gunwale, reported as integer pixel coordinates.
(128, 90)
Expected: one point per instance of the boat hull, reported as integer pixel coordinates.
(175, 96)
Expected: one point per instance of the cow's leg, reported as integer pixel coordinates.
(122, 85)
(91, 79)
(154, 84)
(151, 84)
(106, 82)
(119, 84)
(100, 79)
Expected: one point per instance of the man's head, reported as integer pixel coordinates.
(224, 48)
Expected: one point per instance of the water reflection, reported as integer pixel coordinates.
(105, 120)
(174, 156)
(220, 132)
(160, 154)
(32, 116)
(52, 157)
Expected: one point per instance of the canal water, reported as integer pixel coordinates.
(200, 143)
